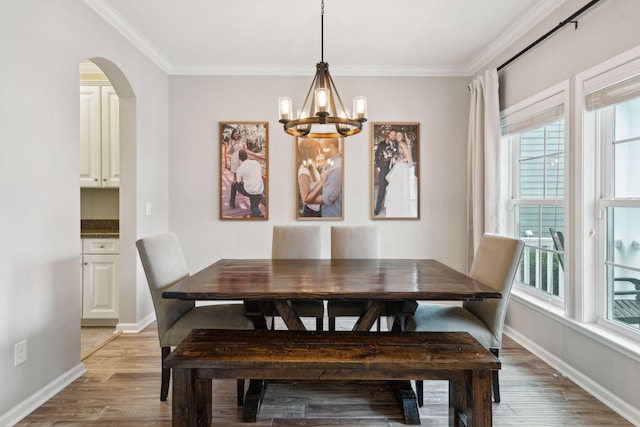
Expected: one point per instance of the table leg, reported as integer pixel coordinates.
(289, 316)
(398, 312)
(254, 310)
(370, 316)
(253, 400)
(406, 399)
(257, 388)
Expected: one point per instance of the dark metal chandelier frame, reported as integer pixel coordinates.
(326, 113)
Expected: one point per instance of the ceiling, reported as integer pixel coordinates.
(361, 37)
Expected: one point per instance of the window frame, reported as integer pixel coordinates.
(593, 174)
(527, 110)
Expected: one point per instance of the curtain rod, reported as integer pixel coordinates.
(569, 20)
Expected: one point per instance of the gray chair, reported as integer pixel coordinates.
(164, 264)
(299, 242)
(495, 265)
(352, 242)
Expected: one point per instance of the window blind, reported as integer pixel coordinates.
(613, 85)
(533, 116)
(619, 92)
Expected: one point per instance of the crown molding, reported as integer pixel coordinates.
(542, 9)
(113, 18)
(368, 71)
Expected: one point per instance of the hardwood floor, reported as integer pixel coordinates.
(122, 388)
(93, 338)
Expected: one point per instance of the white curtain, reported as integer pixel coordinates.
(483, 161)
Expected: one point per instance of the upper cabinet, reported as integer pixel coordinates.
(99, 137)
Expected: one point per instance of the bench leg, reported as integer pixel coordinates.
(191, 399)
(203, 402)
(255, 394)
(406, 399)
(479, 409)
(457, 403)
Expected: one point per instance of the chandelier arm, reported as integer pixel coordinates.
(304, 104)
(333, 85)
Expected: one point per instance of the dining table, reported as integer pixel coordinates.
(390, 286)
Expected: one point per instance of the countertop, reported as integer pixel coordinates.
(99, 228)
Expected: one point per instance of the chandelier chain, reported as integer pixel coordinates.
(322, 31)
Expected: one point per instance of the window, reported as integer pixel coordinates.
(611, 122)
(534, 139)
(618, 144)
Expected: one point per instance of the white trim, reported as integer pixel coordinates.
(523, 25)
(590, 199)
(619, 342)
(134, 328)
(113, 18)
(33, 402)
(617, 404)
(618, 68)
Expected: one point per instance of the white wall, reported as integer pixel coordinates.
(607, 367)
(198, 104)
(43, 42)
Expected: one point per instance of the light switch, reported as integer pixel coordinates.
(148, 208)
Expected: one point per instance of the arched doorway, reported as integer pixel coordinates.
(125, 193)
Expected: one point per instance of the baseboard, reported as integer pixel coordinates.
(98, 322)
(134, 328)
(33, 402)
(618, 405)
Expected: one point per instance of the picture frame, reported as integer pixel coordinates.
(395, 170)
(244, 178)
(319, 172)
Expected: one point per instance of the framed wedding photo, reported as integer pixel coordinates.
(319, 178)
(244, 170)
(395, 176)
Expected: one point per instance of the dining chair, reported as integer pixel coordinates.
(495, 265)
(164, 265)
(299, 242)
(352, 242)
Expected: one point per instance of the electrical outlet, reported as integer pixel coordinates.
(20, 353)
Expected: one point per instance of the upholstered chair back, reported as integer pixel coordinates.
(164, 264)
(296, 242)
(495, 265)
(355, 242)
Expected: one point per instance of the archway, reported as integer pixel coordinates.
(127, 292)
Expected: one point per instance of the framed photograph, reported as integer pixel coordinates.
(395, 176)
(319, 178)
(244, 170)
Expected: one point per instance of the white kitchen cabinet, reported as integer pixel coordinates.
(99, 137)
(100, 279)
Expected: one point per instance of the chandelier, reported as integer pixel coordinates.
(326, 116)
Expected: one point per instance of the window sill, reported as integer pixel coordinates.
(606, 335)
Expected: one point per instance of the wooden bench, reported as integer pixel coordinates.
(207, 354)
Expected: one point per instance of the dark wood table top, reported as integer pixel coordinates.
(329, 279)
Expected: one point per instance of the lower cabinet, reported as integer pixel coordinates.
(100, 281)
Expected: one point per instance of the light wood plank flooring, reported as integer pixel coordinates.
(93, 338)
(122, 388)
